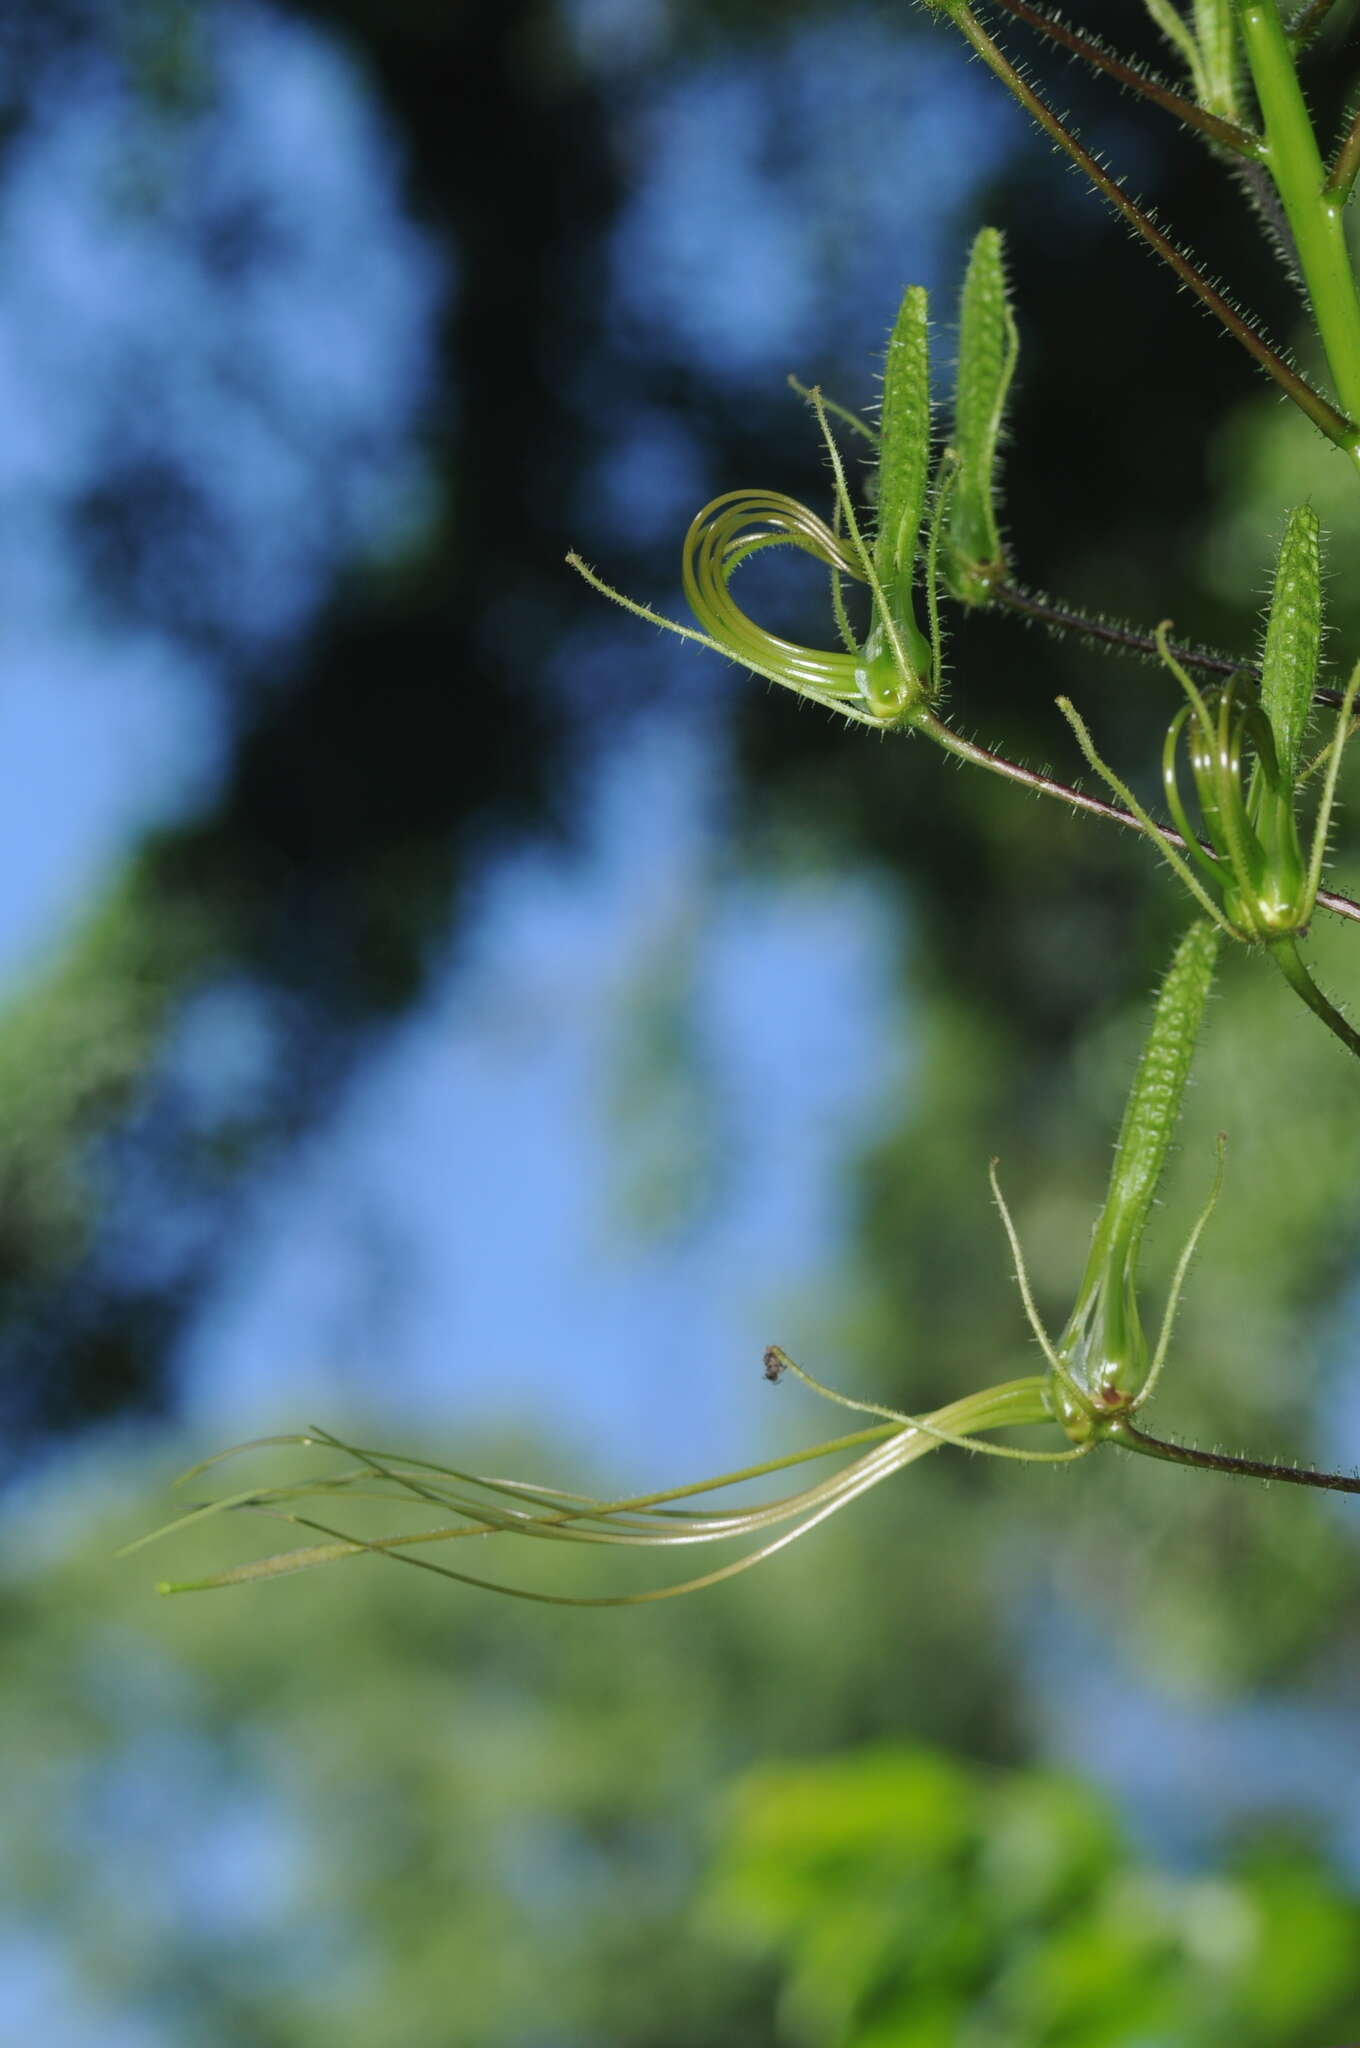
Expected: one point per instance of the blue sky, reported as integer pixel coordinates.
(279, 396)
(465, 1235)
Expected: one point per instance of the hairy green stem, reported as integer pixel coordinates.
(1342, 176)
(1306, 24)
(1129, 1438)
(1289, 960)
(1314, 212)
(1066, 618)
(1092, 806)
(1325, 416)
(1240, 140)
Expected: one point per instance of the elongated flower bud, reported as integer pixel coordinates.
(1102, 1349)
(988, 346)
(904, 450)
(904, 468)
(1289, 659)
(1254, 854)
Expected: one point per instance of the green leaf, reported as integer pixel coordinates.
(988, 345)
(904, 454)
(1293, 636)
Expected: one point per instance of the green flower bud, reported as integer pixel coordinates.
(1102, 1350)
(1100, 1370)
(988, 346)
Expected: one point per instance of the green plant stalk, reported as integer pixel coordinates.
(1288, 959)
(1306, 24)
(1313, 210)
(977, 756)
(1149, 87)
(1061, 617)
(1347, 166)
(1325, 416)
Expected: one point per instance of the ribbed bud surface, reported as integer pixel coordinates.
(904, 457)
(1293, 637)
(987, 352)
(1154, 1102)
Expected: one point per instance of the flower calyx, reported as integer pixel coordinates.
(1249, 848)
(1250, 852)
(1244, 862)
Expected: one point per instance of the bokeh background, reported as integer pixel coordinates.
(439, 1007)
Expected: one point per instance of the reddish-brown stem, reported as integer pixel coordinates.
(1133, 1439)
(1308, 21)
(1093, 52)
(1320, 410)
(1346, 168)
(1065, 618)
(1076, 799)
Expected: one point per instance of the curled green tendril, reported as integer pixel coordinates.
(727, 533)
(883, 682)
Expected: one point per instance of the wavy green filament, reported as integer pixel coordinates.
(483, 1508)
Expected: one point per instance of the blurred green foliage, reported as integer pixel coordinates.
(347, 1809)
(74, 1044)
(913, 1900)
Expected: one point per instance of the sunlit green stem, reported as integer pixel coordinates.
(1288, 959)
(1315, 213)
(491, 1507)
